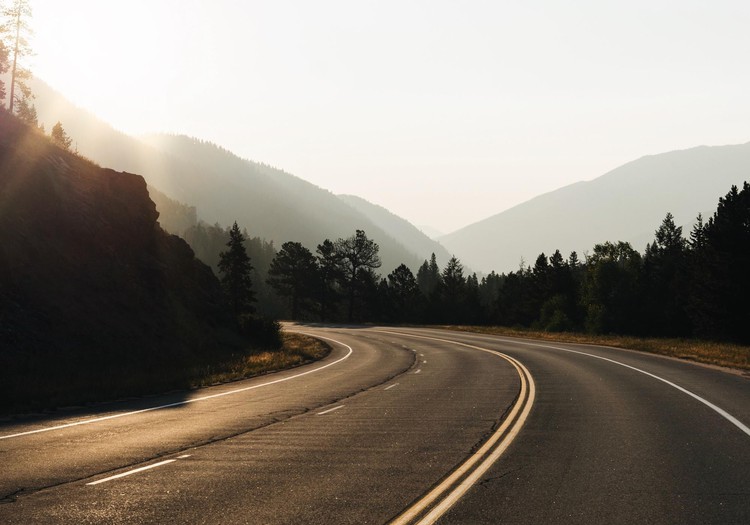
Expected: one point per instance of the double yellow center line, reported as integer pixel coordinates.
(430, 507)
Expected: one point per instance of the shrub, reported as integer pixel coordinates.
(261, 331)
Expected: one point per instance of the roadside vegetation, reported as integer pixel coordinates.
(296, 350)
(708, 352)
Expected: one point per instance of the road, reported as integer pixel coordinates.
(402, 425)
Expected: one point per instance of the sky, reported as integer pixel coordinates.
(445, 112)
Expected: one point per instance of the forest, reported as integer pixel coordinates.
(693, 285)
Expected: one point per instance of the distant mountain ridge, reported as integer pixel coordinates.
(627, 203)
(402, 230)
(223, 187)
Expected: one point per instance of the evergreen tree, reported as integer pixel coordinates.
(330, 272)
(698, 234)
(59, 136)
(453, 291)
(26, 111)
(610, 290)
(663, 282)
(358, 255)
(3, 69)
(428, 276)
(489, 291)
(404, 294)
(234, 264)
(293, 274)
(720, 277)
(16, 31)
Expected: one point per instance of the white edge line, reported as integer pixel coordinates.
(187, 401)
(726, 415)
(330, 410)
(392, 386)
(134, 471)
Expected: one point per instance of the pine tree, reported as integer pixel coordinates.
(16, 29)
(59, 136)
(292, 274)
(234, 264)
(403, 292)
(330, 273)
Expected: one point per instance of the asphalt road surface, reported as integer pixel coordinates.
(404, 426)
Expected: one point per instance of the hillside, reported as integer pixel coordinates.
(400, 229)
(223, 187)
(625, 204)
(92, 291)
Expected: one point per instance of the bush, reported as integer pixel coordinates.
(261, 331)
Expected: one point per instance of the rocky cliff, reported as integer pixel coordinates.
(90, 286)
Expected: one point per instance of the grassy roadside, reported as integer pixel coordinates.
(296, 350)
(720, 354)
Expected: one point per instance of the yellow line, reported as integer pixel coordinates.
(511, 425)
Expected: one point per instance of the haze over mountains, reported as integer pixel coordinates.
(628, 203)
(224, 188)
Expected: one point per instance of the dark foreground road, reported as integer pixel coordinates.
(362, 436)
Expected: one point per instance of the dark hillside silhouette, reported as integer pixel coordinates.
(92, 291)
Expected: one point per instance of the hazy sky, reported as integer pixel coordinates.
(445, 112)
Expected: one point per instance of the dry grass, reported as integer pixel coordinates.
(297, 349)
(721, 354)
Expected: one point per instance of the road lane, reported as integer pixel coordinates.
(607, 444)
(363, 463)
(40, 460)
(603, 443)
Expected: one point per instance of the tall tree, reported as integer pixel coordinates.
(428, 276)
(17, 30)
(293, 274)
(721, 281)
(357, 254)
(453, 291)
(610, 289)
(404, 293)
(330, 273)
(3, 70)
(60, 137)
(663, 293)
(234, 264)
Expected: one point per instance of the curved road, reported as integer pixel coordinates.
(603, 436)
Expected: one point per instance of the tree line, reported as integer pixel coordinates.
(694, 286)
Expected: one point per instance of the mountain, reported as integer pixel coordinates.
(400, 229)
(92, 290)
(626, 204)
(429, 231)
(223, 187)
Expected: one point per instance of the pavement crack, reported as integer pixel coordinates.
(12, 497)
(487, 481)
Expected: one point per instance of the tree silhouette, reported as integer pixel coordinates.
(17, 29)
(234, 264)
(330, 273)
(663, 293)
(293, 274)
(3, 69)
(403, 293)
(720, 278)
(59, 136)
(610, 291)
(357, 254)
